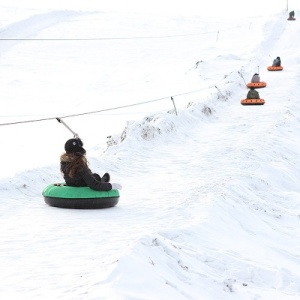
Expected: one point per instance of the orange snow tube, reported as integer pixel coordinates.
(260, 84)
(253, 102)
(271, 68)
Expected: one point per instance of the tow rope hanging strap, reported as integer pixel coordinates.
(62, 122)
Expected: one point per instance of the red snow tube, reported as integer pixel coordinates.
(271, 68)
(253, 102)
(291, 19)
(260, 84)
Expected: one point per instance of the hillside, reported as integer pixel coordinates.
(210, 202)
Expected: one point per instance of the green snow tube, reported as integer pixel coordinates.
(61, 195)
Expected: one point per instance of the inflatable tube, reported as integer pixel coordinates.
(61, 195)
(260, 84)
(253, 102)
(291, 19)
(271, 68)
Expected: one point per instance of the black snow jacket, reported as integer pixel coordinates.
(83, 177)
(276, 62)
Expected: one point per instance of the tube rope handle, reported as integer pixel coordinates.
(62, 122)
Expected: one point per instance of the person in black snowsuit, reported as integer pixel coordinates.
(253, 94)
(75, 170)
(292, 14)
(276, 62)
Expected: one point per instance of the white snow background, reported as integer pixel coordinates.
(210, 205)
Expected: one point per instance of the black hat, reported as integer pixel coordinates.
(74, 146)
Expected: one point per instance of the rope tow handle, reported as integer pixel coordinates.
(242, 78)
(62, 122)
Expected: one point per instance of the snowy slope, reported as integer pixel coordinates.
(209, 207)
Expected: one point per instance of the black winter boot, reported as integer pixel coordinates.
(106, 178)
(97, 176)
